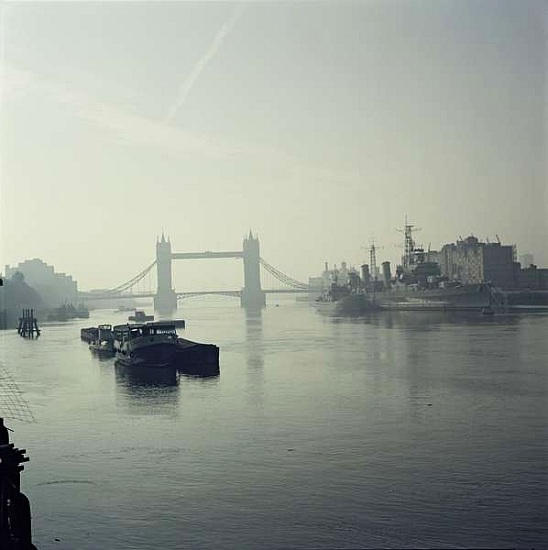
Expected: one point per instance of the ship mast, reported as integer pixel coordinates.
(409, 244)
(373, 261)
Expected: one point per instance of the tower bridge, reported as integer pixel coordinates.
(252, 295)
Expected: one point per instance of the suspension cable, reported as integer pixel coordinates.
(276, 273)
(282, 277)
(131, 282)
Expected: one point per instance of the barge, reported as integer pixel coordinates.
(89, 334)
(157, 345)
(103, 343)
(140, 317)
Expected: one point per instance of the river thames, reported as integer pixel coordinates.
(401, 430)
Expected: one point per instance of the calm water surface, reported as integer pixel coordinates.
(401, 430)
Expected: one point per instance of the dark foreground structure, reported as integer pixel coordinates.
(15, 519)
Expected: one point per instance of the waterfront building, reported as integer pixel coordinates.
(340, 276)
(471, 261)
(317, 284)
(55, 288)
(531, 277)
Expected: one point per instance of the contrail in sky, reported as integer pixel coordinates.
(200, 65)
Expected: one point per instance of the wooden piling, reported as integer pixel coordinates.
(28, 325)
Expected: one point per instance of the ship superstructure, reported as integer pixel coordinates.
(418, 284)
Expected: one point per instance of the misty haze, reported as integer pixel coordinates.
(274, 274)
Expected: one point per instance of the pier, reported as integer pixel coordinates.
(28, 325)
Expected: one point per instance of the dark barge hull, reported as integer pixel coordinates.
(101, 351)
(187, 357)
(198, 359)
(157, 356)
(89, 334)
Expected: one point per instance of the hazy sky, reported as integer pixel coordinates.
(319, 125)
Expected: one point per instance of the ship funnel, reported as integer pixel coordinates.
(386, 275)
(366, 276)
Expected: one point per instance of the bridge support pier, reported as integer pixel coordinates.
(165, 303)
(253, 300)
(253, 297)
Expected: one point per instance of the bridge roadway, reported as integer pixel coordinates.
(239, 292)
(84, 296)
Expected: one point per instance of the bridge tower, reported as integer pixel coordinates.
(252, 295)
(165, 300)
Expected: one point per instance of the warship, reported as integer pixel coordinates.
(417, 285)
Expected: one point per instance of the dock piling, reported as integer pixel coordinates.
(28, 325)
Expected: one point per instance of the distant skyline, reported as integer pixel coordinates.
(318, 125)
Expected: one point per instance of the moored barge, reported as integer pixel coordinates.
(89, 334)
(140, 317)
(103, 344)
(157, 345)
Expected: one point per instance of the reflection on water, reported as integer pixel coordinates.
(137, 377)
(254, 339)
(254, 349)
(405, 429)
(152, 390)
(104, 359)
(442, 355)
(147, 390)
(430, 320)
